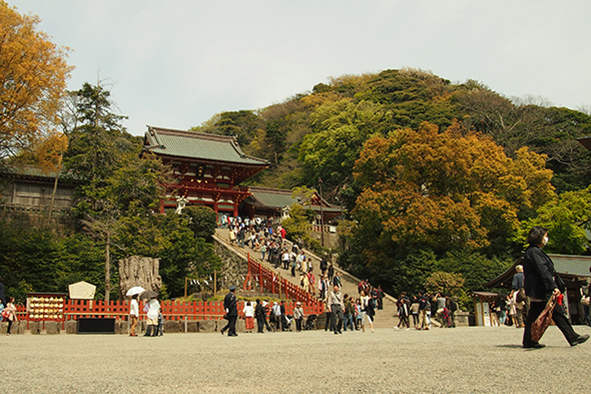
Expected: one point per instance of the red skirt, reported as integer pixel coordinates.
(249, 321)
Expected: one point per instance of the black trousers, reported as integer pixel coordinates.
(337, 317)
(559, 317)
(232, 325)
(261, 321)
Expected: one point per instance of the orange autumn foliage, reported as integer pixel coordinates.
(446, 190)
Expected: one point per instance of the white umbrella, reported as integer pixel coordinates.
(134, 290)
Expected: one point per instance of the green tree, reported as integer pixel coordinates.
(99, 141)
(567, 220)
(338, 133)
(182, 254)
(297, 225)
(203, 221)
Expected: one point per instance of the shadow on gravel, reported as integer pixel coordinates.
(512, 346)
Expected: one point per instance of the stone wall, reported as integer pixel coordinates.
(234, 269)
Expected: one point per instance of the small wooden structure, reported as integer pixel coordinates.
(482, 302)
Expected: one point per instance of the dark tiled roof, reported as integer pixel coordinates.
(272, 198)
(280, 198)
(195, 145)
(586, 142)
(33, 172)
(571, 265)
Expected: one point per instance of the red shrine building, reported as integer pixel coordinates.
(209, 169)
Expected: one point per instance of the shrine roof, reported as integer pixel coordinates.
(280, 198)
(272, 198)
(194, 145)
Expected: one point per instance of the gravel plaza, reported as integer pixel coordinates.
(461, 360)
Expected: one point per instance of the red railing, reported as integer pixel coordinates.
(259, 277)
(266, 280)
(171, 310)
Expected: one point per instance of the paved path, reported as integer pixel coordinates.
(462, 360)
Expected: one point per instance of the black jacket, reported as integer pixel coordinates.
(259, 311)
(2, 297)
(539, 273)
(230, 304)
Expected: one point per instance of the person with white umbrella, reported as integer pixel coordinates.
(134, 309)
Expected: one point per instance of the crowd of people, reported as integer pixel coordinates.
(419, 307)
(508, 309)
(526, 300)
(358, 312)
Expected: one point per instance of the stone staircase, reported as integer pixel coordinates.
(384, 318)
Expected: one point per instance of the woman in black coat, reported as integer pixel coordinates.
(541, 283)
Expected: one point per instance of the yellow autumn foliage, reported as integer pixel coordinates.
(452, 189)
(33, 74)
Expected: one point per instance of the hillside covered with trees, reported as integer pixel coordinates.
(434, 176)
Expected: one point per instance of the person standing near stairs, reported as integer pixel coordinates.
(367, 309)
(335, 300)
(312, 280)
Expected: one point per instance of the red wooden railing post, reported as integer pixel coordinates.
(261, 277)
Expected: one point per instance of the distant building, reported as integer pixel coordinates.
(209, 168)
(275, 204)
(28, 188)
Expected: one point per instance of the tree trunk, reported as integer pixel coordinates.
(57, 175)
(107, 270)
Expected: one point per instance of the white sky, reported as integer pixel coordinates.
(176, 63)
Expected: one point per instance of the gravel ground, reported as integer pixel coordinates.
(461, 360)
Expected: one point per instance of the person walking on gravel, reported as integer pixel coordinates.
(541, 283)
(231, 308)
(10, 312)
